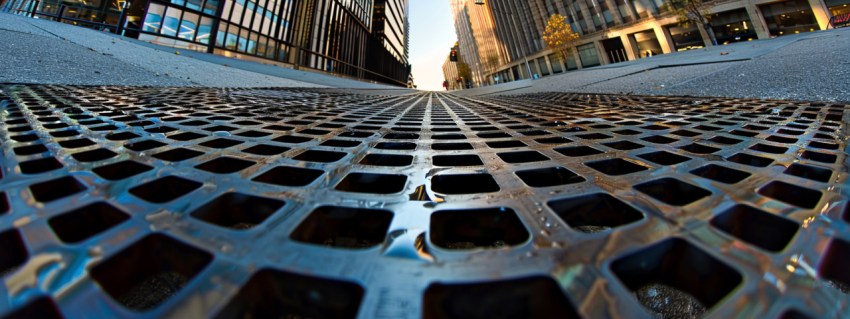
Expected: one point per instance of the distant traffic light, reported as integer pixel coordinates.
(453, 56)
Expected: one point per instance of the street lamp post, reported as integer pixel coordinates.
(513, 19)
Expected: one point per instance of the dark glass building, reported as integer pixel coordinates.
(333, 36)
(390, 24)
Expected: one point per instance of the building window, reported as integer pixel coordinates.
(588, 55)
(732, 26)
(204, 30)
(686, 38)
(171, 23)
(640, 10)
(153, 20)
(188, 26)
(544, 69)
(838, 7)
(555, 60)
(647, 43)
(789, 17)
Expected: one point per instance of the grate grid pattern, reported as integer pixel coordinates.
(197, 202)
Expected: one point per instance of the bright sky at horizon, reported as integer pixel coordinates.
(432, 34)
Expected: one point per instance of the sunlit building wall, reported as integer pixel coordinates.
(333, 36)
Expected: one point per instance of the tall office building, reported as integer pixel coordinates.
(327, 35)
(390, 23)
(614, 31)
(477, 42)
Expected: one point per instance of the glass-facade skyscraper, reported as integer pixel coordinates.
(334, 36)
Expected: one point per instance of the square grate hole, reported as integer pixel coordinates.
(781, 139)
(451, 146)
(372, 183)
(593, 136)
(289, 139)
(494, 135)
(389, 160)
(791, 194)
(764, 148)
(401, 136)
(30, 150)
(238, 211)
(658, 139)
(721, 174)
(809, 172)
(55, 189)
(123, 136)
(320, 156)
(4, 203)
(826, 146)
(699, 149)
(457, 160)
(94, 155)
(463, 184)
(225, 165)
(623, 145)
(750, 160)
(86, 222)
(743, 133)
(66, 133)
(396, 146)
(449, 137)
(177, 155)
(793, 314)
(756, 227)
(77, 143)
(41, 308)
(686, 133)
(725, 140)
(266, 150)
(616, 167)
(672, 191)
(627, 132)
(578, 151)
(530, 297)
(506, 144)
(553, 140)
(548, 177)
(188, 136)
(340, 143)
(25, 138)
(289, 176)
(121, 170)
(220, 128)
(835, 262)
(594, 213)
(142, 146)
(683, 267)
(40, 165)
(221, 143)
(13, 251)
(664, 158)
(817, 157)
(523, 157)
(149, 272)
(477, 228)
(277, 294)
(253, 134)
(343, 227)
(165, 189)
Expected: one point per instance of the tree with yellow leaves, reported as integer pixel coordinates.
(559, 36)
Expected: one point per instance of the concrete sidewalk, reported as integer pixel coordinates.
(808, 66)
(47, 52)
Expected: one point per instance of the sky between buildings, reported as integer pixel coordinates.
(432, 34)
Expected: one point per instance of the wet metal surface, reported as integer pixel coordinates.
(127, 202)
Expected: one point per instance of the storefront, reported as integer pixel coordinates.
(732, 26)
(555, 61)
(685, 38)
(838, 7)
(789, 17)
(647, 43)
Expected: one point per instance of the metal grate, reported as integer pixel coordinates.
(287, 203)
